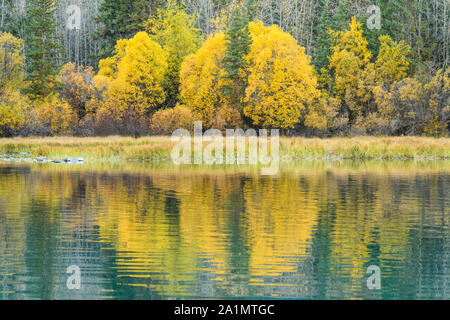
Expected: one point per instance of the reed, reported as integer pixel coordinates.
(158, 149)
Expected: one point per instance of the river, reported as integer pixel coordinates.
(149, 232)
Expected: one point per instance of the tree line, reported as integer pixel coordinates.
(308, 67)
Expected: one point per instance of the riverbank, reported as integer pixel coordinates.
(158, 149)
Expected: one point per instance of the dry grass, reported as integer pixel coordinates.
(116, 149)
(368, 148)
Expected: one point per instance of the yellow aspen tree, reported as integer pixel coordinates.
(12, 60)
(131, 81)
(12, 103)
(281, 81)
(202, 79)
(438, 107)
(13, 107)
(392, 61)
(390, 67)
(349, 60)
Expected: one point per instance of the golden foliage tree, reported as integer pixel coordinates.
(348, 62)
(281, 82)
(131, 81)
(359, 83)
(392, 61)
(12, 103)
(202, 79)
(12, 60)
(77, 87)
(13, 108)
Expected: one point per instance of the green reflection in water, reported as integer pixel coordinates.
(147, 232)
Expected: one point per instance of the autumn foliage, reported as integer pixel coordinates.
(165, 122)
(12, 103)
(281, 80)
(168, 76)
(202, 79)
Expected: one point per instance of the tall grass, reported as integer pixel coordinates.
(115, 149)
(368, 148)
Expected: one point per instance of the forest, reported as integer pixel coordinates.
(149, 67)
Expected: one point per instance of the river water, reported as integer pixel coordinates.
(144, 232)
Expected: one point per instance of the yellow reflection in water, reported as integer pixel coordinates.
(171, 226)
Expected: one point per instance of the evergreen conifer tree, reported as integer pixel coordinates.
(42, 47)
(238, 44)
(122, 19)
(328, 21)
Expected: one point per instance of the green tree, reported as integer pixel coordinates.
(12, 18)
(391, 23)
(238, 44)
(328, 21)
(41, 45)
(122, 19)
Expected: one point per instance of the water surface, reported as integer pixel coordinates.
(162, 233)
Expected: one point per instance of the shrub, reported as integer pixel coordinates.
(227, 118)
(56, 114)
(77, 87)
(165, 122)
